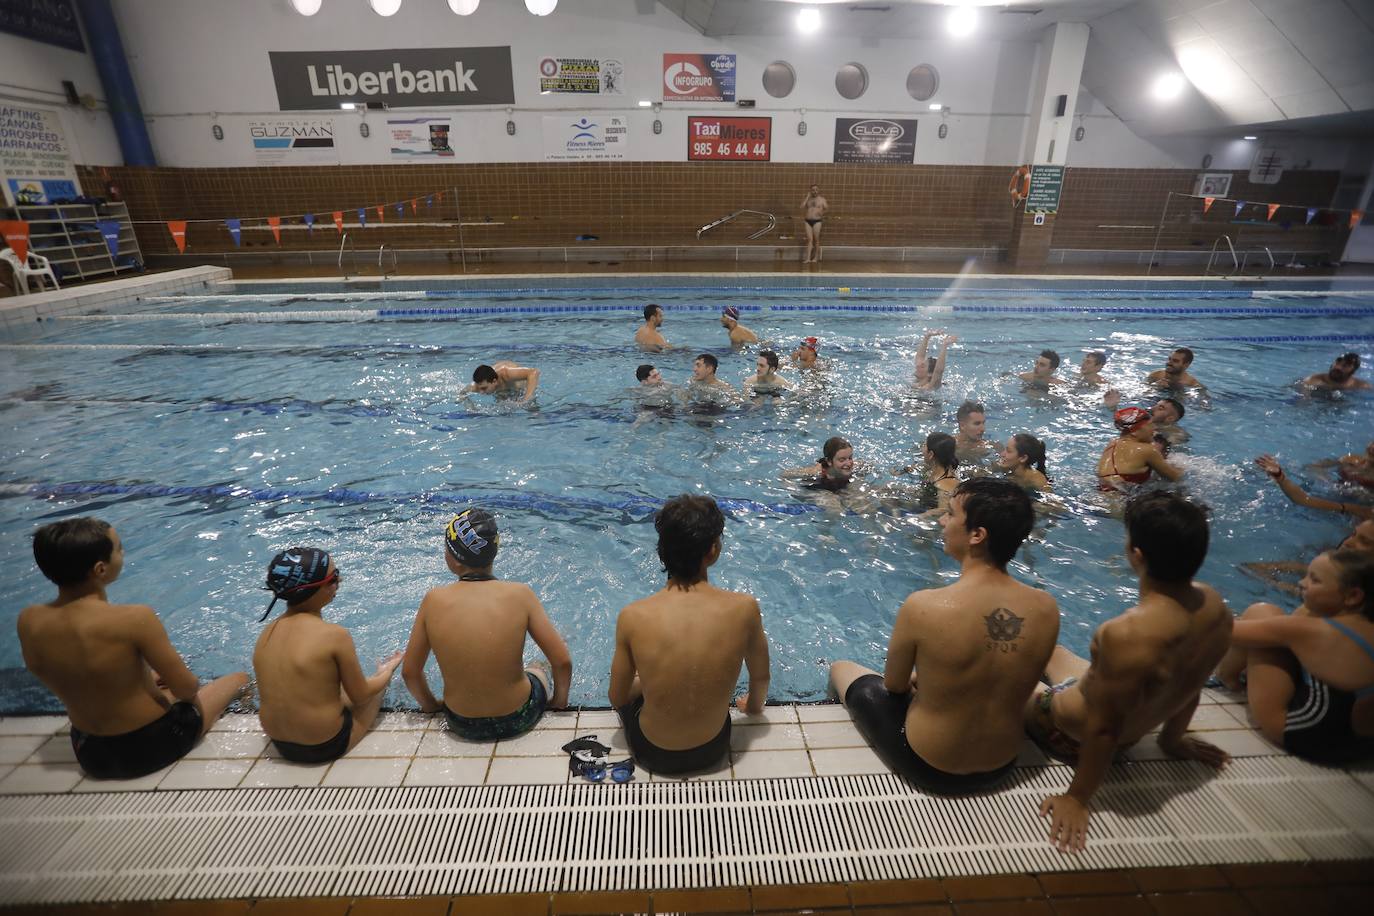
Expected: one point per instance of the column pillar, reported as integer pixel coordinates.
(107, 51)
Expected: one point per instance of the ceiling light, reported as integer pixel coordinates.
(962, 21)
(1167, 86)
(808, 20)
(348, 106)
(540, 7)
(306, 7)
(645, 103)
(463, 7)
(384, 7)
(936, 106)
(1249, 137)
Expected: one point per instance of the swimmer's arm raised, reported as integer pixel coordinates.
(756, 661)
(938, 375)
(1270, 466)
(547, 638)
(157, 650)
(622, 666)
(413, 664)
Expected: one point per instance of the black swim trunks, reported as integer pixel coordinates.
(145, 750)
(323, 752)
(501, 728)
(660, 760)
(813, 222)
(880, 717)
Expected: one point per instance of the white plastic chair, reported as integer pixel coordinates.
(37, 266)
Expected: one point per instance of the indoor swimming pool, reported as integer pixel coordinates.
(213, 431)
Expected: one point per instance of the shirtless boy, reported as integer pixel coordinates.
(805, 356)
(476, 628)
(313, 699)
(704, 374)
(765, 377)
(739, 334)
(1340, 377)
(968, 439)
(678, 652)
(814, 208)
(930, 370)
(1042, 376)
(1175, 372)
(1090, 369)
(976, 647)
(648, 337)
(1148, 665)
(103, 660)
(501, 378)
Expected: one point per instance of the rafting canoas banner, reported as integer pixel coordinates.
(34, 158)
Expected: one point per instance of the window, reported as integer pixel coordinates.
(779, 79)
(922, 82)
(851, 80)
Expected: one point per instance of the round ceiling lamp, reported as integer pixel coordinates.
(962, 21)
(384, 7)
(463, 7)
(540, 7)
(307, 7)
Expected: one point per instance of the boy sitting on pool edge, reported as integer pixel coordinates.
(476, 628)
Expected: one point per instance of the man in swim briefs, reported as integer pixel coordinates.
(814, 208)
(501, 378)
(765, 378)
(1042, 376)
(678, 652)
(1148, 665)
(968, 439)
(104, 660)
(947, 711)
(648, 337)
(476, 628)
(1175, 372)
(739, 334)
(1340, 377)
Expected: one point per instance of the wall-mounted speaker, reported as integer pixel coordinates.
(69, 88)
(1061, 105)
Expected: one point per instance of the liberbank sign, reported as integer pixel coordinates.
(402, 78)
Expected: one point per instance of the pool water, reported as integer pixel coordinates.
(211, 441)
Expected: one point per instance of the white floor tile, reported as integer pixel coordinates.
(832, 734)
(447, 771)
(237, 722)
(406, 720)
(527, 770)
(447, 744)
(590, 721)
(17, 748)
(206, 774)
(228, 746)
(1147, 748)
(269, 773)
(544, 743)
(57, 749)
(1210, 717)
(565, 719)
(367, 771)
(1240, 713)
(32, 725)
(29, 778)
(822, 712)
(771, 715)
(767, 737)
(846, 761)
(141, 784)
(719, 770)
(1244, 743)
(387, 744)
(772, 764)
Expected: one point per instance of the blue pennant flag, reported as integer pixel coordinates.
(1240, 205)
(309, 220)
(429, 201)
(109, 231)
(235, 227)
(1311, 212)
(401, 209)
(362, 216)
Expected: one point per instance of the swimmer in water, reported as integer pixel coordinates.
(968, 440)
(930, 371)
(1023, 458)
(832, 471)
(501, 379)
(1175, 372)
(766, 380)
(1165, 414)
(1270, 466)
(1130, 458)
(649, 377)
(1042, 376)
(1090, 369)
(1340, 377)
(704, 375)
(739, 334)
(648, 337)
(1358, 468)
(805, 356)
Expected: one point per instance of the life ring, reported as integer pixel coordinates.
(1020, 185)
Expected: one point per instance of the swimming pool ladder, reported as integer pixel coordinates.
(395, 267)
(352, 248)
(1245, 257)
(1235, 261)
(772, 221)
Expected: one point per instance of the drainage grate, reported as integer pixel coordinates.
(661, 835)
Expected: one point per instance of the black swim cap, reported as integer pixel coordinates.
(472, 538)
(292, 572)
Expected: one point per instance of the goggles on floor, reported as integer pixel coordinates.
(595, 769)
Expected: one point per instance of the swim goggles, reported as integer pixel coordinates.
(595, 769)
(334, 578)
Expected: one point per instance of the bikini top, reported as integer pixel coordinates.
(1364, 645)
(1135, 477)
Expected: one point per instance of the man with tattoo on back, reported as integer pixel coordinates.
(977, 646)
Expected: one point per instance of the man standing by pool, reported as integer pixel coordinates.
(1340, 377)
(739, 334)
(1175, 372)
(500, 379)
(814, 208)
(647, 337)
(678, 652)
(947, 711)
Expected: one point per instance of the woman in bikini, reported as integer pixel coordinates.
(1129, 459)
(939, 477)
(1023, 458)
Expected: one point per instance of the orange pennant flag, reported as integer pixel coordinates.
(16, 233)
(1273, 208)
(338, 220)
(381, 213)
(440, 195)
(178, 229)
(275, 223)
(1355, 217)
(1207, 203)
(415, 205)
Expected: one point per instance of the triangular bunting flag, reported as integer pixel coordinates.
(440, 195)
(109, 231)
(1273, 208)
(275, 223)
(178, 229)
(338, 220)
(429, 201)
(235, 228)
(1355, 217)
(16, 233)
(309, 220)
(1240, 205)
(1311, 212)
(415, 205)
(401, 210)
(381, 213)
(362, 217)
(1207, 203)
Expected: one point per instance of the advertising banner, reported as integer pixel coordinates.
(293, 141)
(712, 139)
(400, 78)
(49, 21)
(586, 136)
(583, 75)
(698, 77)
(420, 138)
(875, 140)
(1046, 183)
(34, 157)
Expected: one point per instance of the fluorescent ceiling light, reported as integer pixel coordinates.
(962, 21)
(808, 20)
(306, 7)
(348, 106)
(1250, 137)
(645, 103)
(1207, 69)
(936, 106)
(463, 7)
(384, 7)
(540, 7)
(1167, 86)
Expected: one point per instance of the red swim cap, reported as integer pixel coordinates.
(1129, 419)
(811, 343)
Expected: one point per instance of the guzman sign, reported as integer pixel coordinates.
(405, 78)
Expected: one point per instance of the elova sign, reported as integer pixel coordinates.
(875, 130)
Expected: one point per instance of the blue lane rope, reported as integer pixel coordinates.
(548, 504)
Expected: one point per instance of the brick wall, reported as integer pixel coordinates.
(648, 203)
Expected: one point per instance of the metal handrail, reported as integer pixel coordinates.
(1212, 256)
(395, 264)
(1245, 257)
(772, 222)
(351, 247)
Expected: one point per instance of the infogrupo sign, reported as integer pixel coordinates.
(403, 78)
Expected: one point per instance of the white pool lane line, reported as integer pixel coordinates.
(414, 811)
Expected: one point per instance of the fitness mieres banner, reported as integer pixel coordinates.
(403, 78)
